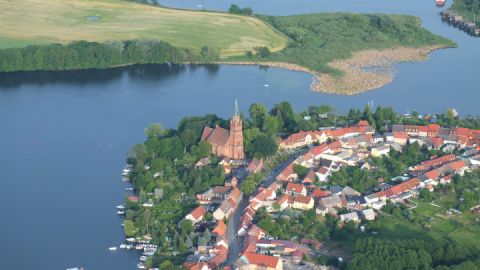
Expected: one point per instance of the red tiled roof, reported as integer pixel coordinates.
(261, 260)
(400, 135)
(318, 193)
(133, 198)
(294, 187)
(282, 199)
(220, 229)
(302, 199)
(198, 212)
(457, 165)
(433, 174)
(217, 136)
(363, 123)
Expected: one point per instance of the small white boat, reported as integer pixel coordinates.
(112, 248)
(120, 212)
(199, 6)
(143, 258)
(131, 240)
(129, 189)
(123, 246)
(266, 85)
(140, 265)
(121, 207)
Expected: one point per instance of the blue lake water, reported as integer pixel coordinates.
(64, 135)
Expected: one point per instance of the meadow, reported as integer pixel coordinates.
(39, 22)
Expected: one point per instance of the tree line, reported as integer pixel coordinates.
(85, 54)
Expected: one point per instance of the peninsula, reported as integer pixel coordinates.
(283, 190)
(346, 53)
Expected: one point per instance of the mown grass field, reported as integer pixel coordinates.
(24, 22)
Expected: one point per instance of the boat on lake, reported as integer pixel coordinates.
(129, 189)
(440, 3)
(120, 212)
(121, 207)
(112, 248)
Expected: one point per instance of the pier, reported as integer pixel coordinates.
(458, 21)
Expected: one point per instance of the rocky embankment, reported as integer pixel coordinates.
(364, 71)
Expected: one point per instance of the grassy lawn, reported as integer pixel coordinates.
(26, 22)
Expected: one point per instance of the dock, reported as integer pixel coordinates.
(458, 21)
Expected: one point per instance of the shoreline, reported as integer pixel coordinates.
(366, 70)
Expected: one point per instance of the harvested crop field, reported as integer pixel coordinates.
(63, 21)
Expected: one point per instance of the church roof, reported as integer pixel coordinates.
(217, 135)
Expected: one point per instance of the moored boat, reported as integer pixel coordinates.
(440, 3)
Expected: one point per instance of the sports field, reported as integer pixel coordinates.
(24, 22)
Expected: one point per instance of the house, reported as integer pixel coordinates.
(348, 191)
(323, 174)
(254, 261)
(380, 150)
(202, 162)
(283, 202)
(133, 198)
(196, 215)
(213, 195)
(226, 143)
(321, 210)
(400, 137)
(353, 216)
(221, 229)
(368, 214)
(196, 266)
(232, 182)
(255, 166)
(228, 206)
(288, 174)
(302, 202)
(319, 193)
(294, 188)
(333, 202)
(310, 177)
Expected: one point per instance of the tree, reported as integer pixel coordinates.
(262, 51)
(247, 11)
(300, 170)
(258, 113)
(166, 265)
(129, 228)
(138, 152)
(264, 146)
(234, 9)
(155, 130)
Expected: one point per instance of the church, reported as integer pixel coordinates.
(226, 143)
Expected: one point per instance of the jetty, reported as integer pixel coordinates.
(461, 23)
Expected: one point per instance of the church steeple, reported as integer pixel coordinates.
(236, 134)
(236, 111)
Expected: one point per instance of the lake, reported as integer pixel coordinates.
(64, 135)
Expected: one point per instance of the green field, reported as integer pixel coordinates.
(24, 22)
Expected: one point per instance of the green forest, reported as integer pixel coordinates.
(467, 8)
(317, 39)
(84, 55)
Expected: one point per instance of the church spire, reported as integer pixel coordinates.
(236, 112)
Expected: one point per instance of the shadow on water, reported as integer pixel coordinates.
(156, 72)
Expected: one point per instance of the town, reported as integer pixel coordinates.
(226, 216)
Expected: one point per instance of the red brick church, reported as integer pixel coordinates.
(226, 143)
